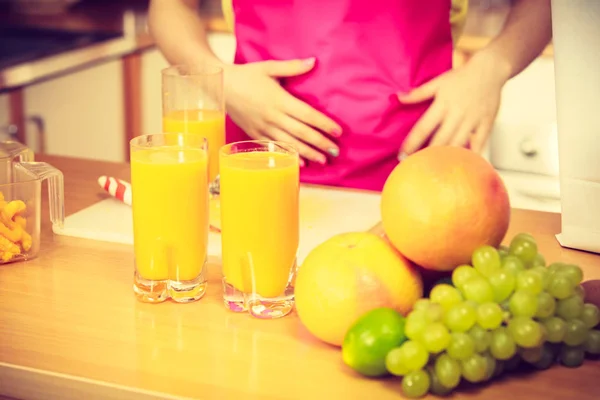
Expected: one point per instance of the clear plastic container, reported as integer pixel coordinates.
(20, 201)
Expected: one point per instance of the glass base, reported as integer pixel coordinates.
(257, 306)
(150, 291)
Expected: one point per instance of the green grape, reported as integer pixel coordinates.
(560, 286)
(462, 273)
(544, 274)
(530, 281)
(512, 363)
(436, 337)
(503, 283)
(447, 370)
(461, 317)
(416, 322)
(513, 264)
(474, 368)
(572, 356)
(486, 260)
(568, 308)
(394, 362)
(539, 261)
(555, 267)
(502, 251)
(434, 312)
(416, 384)
(481, 337)
(489, 315)
(556, 328)
(532, 355)
(546, 305)
(525, 248)
(576, 332)
(502, 346)
(546, 359)
(573, 272)
(525, 235)
(446, 280)
(461, 346)
(478, 289)
(436, 387)
(414, 355)
(580, 291)
(445, 295)
(590, 315)
(490, 366)
(523, 304)
(525, 332)
(592, 342)
(421, 304)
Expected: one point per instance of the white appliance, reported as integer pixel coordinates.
(576, 31)
(523, 146)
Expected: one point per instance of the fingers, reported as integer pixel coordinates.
(423, 129)
(462, 135)
(480, 136)
(304, 150)
(447, 130)
(305, 113)
(308, 135)
(290, 68)
(421, 93)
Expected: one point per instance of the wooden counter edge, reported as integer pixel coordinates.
(24, 382)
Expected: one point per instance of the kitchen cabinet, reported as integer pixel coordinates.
(222, 44)
(82, 113)
(4, 116)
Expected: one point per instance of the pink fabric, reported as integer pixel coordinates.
(366, 51)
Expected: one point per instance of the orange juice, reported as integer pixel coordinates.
(170, 212)
(259, 220)
(210, 124)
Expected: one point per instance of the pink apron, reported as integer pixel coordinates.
(366, 51)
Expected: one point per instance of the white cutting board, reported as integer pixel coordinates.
(323, 214)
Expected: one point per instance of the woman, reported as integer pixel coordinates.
(354, 83)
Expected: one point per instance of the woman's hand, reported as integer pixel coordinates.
(264, 110)
(465, 105)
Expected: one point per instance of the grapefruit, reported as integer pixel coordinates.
(441, 203)
(349, 275)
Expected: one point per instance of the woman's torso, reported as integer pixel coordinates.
(366, 51)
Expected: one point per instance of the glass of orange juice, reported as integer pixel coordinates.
(193, 102)
(259, 226)
(169, 183)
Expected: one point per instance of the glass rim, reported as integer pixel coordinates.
(288, 148)
(192, 70)
(138, 141)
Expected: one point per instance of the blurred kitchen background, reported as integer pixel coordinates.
(81, 77)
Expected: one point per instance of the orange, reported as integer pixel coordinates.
(441, 203)
(348, 275)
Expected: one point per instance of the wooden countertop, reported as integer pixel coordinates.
(71, 328)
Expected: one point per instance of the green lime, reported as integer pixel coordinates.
(372, 336)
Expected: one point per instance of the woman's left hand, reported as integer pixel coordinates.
(465, 104)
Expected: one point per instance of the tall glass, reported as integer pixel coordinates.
(192, 102)
(169, 183)
(259, 226)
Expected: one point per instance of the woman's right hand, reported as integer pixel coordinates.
(258, 104)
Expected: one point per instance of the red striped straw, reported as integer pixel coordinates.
(117, 188)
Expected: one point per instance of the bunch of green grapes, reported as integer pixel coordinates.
(505, 309)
